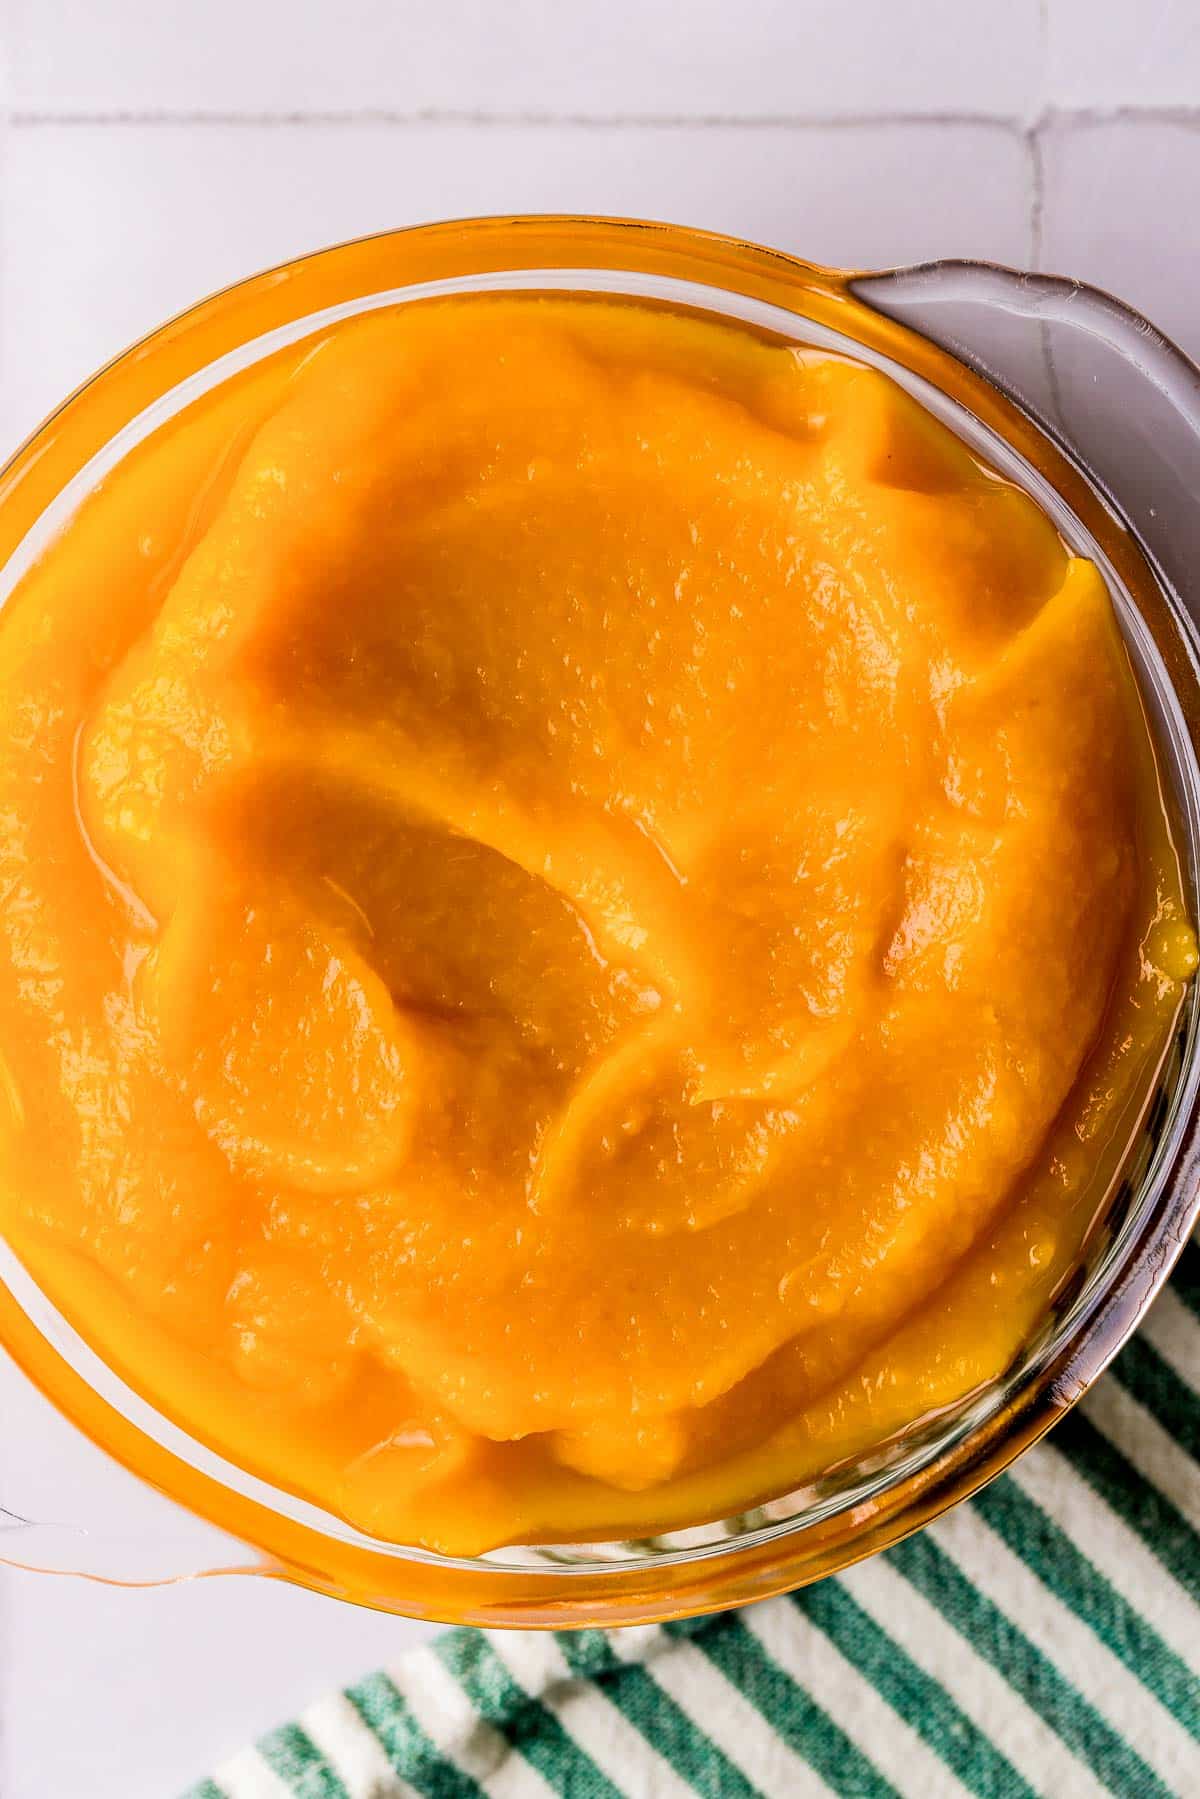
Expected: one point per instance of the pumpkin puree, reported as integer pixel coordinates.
(586, 917)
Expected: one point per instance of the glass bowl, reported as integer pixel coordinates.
(1062, 388)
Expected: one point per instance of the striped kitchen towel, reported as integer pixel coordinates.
(1041, 1639)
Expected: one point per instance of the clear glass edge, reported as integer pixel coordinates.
(975, 1411)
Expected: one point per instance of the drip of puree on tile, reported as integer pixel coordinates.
(586, 910)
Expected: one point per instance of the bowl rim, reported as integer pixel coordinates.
(792, 1552)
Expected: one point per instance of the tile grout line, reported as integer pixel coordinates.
(1032, 137)
(33, 118)
(1037, 222)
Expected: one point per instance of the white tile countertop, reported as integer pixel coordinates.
(152, 150)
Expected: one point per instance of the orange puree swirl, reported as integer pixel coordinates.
(585, 913)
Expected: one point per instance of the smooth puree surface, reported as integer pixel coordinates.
(586, 917)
